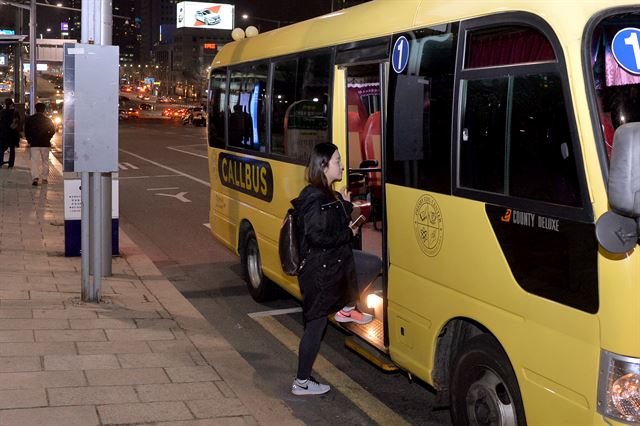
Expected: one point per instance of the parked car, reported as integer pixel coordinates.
(145, 106)
(130, 112)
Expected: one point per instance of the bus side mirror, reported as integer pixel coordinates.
(624, 172)
(617, 230)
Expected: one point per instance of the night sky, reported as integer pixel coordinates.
(282, 10)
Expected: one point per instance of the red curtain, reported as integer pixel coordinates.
(513, 46)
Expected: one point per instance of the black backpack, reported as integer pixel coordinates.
(289, 243)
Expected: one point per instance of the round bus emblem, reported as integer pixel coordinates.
(400, 54)
(626, 49)
(428, 225)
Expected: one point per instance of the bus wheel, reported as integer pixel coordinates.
(257, 283)
(484, 388)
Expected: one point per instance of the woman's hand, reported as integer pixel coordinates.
(345, 193)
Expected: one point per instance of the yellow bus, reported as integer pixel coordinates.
(479, 139)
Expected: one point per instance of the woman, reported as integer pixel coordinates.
(328, 275)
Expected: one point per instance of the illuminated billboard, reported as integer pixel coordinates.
(218, 16)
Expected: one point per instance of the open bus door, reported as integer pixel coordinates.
(364, 110)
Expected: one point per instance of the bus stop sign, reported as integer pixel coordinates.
(626, 49)
(400, 54)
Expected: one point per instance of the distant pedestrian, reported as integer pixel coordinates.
(9, 132)
(39, 129)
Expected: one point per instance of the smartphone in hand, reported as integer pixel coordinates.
(356, 223)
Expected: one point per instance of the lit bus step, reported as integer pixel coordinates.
(370, 353)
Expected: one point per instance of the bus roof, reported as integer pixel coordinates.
(383, 17)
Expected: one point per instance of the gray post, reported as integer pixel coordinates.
(85, 191)
(96, 28)
(32, 57)
(18, 84)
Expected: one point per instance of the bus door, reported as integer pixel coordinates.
(364, 160)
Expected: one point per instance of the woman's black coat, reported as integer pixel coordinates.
(327, 278)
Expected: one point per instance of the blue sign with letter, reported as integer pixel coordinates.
(626, 49)
(400, 54)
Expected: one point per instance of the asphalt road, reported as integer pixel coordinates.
(164, 207)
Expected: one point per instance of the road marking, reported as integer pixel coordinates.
(180, 196)
(208, 225)
(146, 177)
(187, 152)
(127, 166)
(369, 404)
(275, 312)
(163, 189)
(168, 168)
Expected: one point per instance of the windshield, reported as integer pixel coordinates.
(615, 61)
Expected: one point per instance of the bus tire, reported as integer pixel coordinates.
(484, 388)
(258, 285)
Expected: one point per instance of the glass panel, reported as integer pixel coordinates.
(419, 146)
(482, 137)
(217, 102)
(507, 46)
(248, 86)
(300, 105)
(284, 94)
(617, 89)
(542, 165)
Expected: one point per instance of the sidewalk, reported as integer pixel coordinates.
(143, 356)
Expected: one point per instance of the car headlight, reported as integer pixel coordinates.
(619, 387)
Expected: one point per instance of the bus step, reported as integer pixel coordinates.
(370, 353)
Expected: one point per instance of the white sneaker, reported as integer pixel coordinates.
(308, 387)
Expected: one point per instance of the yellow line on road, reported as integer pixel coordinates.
(369, 404)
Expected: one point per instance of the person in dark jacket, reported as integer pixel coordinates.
(327, 276)
(38, 130)
(9, 132)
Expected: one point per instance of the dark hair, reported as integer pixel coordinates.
(40, 107)
(318, 161)
(8, 102)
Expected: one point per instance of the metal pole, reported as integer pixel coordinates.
(96, 234)
(85, 191)
(32, 57)
(18, 82)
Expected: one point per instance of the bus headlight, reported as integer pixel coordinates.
(619, 387)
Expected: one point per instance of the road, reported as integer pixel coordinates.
(164, 207)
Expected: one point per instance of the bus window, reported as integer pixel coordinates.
(217, 102)
(515, 138)
(247, 89)
(617, 90)
(419, 135)
(300, 105)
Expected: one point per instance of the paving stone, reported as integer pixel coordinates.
(139, 334)
(225, 389)
(103, 323)
(92, 395)
(168, 359)
(41, 379)
(16, 336)
(38, 349)
(157, 323)
(33, 324)
(143, 412)
(96, 348)
(70, 335)
(22, 398)
(80, 362)
(192, 374)
(16, 364)
(178, 391)
(217, 407)
(69, 313)
(127, 376)
(171, 346)
(224, 421)
(126, 313)
(15, 313)
(50, 416)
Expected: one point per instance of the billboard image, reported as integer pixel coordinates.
(217, 16)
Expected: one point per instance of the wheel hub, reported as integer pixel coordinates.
(489, 402)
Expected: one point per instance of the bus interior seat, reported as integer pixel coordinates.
(372, 151)
(354, 129)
